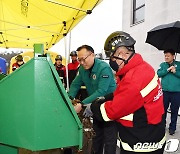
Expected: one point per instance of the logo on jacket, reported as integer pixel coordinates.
(105, 76)
(160, 93)
(94, 76)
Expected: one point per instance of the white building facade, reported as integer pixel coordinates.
(140, 16)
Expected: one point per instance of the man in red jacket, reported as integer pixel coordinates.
(73, 66)
(137, 103)
(61, 69)
(19, 62)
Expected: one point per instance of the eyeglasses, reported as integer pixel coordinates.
(83, 59)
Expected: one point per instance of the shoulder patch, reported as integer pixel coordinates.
(94, 76)
(105, 76)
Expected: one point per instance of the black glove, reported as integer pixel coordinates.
(99, 100)
(95, 108)
(109, 97)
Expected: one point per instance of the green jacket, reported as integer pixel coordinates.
(170, 81)
(99, 81)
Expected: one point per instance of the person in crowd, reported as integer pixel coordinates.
(98, 78)
(19, 62)
(137, 102)
(73, 66)
(169, 72)
(61, 69)
(99, 56)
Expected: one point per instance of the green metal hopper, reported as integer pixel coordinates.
(2, 76)
(35, 111)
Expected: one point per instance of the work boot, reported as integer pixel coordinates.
(171, 132)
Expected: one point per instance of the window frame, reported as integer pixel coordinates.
(134, 12)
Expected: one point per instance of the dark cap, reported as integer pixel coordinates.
(58, 57)
(73, 53)
(19, 58)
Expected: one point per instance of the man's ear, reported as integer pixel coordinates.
(93, 54)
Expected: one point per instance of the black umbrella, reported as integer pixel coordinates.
(165, 37)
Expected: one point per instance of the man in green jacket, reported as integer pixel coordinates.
(169, 72)
(98, 78)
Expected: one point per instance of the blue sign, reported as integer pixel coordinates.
(3, 68)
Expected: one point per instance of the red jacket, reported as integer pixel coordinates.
(61, 70)
(73, 66)
(15, 66)
(72, 70)
(137, 104)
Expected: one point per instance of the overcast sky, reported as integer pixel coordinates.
(95, 28)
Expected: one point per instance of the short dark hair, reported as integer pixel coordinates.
(87, 47)
(170, 51)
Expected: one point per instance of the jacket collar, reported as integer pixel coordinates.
(135, 61)
(172, 64)
(94, 66)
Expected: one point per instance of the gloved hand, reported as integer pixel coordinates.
(99, 100)
(95, 108)
(77, 104)
(75, 101)
(78, 107)
(109, 97)
(87, 112)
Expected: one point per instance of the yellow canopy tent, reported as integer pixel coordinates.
(25, 22)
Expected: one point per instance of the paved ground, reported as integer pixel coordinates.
(175, 136)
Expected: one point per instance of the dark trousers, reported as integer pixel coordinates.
(172, 99)
(105, 138)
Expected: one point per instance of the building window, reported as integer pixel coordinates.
(138, 11)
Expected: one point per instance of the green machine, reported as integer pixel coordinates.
(2, 76)
(35, 111)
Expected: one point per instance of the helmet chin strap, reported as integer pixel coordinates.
(125, 61)
(121, 63)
